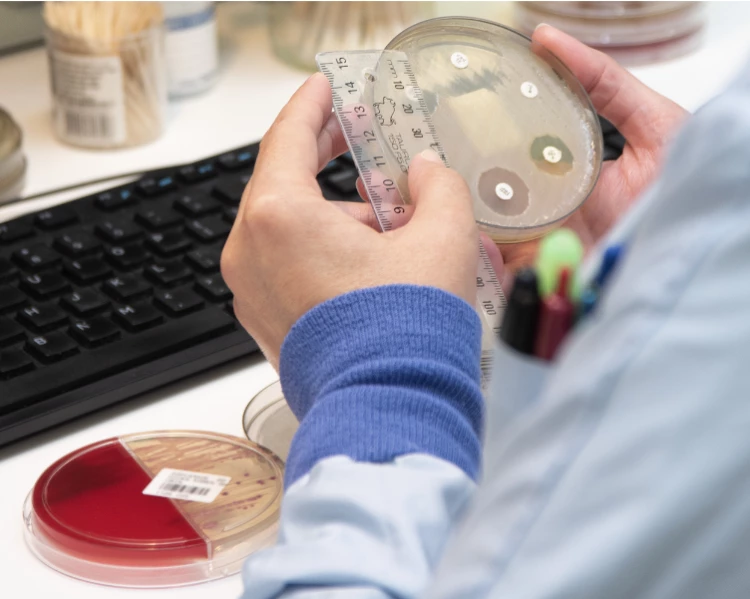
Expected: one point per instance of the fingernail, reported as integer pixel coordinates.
(541, 25)
(431, 155)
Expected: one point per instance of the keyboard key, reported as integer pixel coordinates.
(14, 362)
(42, 317)
(36, 257)
(230, 214)
(56, 217)
(126, 287)
(236, 160)
(209, 229)
(126, 257)
(114, 200)
(178, 302)
(118, 231)
(197, 172)
(229, 191)
(343, 182)
(205, 261)
(44, 285)
(154, 186)
(195, 205)
(213, 288)
(77, 243)
(171, 338)
(8, 272)
(15, 230)
(168, 273)
(168, 243)
(136, 317)
(10, 331)
(87, 270)
(94, 332)
(52, 347)
(11, 298)
(157, 218)
(84, 302)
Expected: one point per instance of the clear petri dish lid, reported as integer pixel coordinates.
(269, 422)
(511, 117)
(157, 509)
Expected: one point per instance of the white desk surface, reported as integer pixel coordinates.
(253, 87)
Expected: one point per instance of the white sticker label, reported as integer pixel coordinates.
(529, 90)
(89, 100)
(552, 154)
(183, 484)
(504, 191)
(459, 60)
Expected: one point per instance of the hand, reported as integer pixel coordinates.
(646, 119)
(290, 250)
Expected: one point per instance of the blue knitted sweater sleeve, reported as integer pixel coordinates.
(379, 373)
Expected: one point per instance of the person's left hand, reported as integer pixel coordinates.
(290, 249)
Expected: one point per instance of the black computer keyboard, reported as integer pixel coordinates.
(115, 294)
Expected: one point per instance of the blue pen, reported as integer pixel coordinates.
(591, 293)
(610, 259)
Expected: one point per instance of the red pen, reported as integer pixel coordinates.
(555, 319)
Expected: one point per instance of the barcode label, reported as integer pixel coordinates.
(88, 98)
(98, 126)
(186, 485)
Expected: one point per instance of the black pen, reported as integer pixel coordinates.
(522, 313)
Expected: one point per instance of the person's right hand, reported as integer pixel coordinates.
(645, 118)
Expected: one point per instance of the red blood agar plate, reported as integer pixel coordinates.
(159, 509)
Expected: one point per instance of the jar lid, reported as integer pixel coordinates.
(12, 161)
(269, 422)
(156, 509)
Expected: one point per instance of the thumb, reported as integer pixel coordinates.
(439, 194)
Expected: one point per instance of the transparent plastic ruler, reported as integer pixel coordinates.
(386, 122)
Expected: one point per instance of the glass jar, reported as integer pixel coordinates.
(299, 30)
(191, 42)
(108, 94)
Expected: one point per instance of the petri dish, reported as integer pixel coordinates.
(512, 119)
(633, 33)
(269, 422)
(156, 509)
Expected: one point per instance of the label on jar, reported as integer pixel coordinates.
(191, 52)
(89, 103)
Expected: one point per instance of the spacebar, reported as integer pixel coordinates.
(130, 352)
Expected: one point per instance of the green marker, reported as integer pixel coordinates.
(560, 249)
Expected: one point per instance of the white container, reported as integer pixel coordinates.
(191, 46)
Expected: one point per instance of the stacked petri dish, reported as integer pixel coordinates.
(634, 33)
